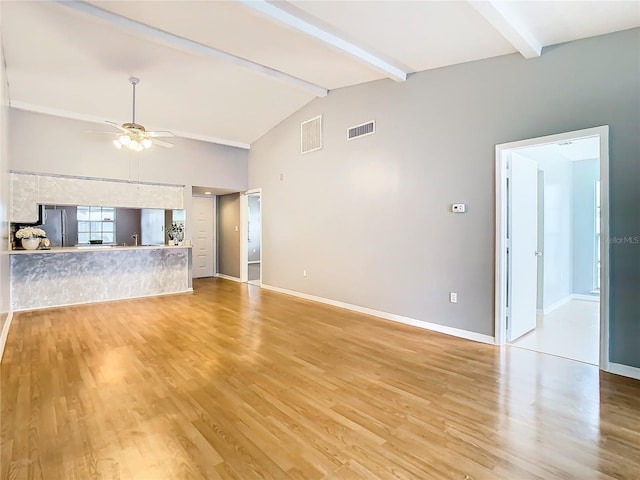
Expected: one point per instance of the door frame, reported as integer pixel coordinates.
(501, 151)
(244, 234)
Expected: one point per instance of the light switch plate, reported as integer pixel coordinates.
(458, 207)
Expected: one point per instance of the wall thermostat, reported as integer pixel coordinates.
(458, 207)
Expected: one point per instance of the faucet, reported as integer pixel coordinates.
(135, 239)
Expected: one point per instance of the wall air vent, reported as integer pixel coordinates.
(361, 130)
(311, 135)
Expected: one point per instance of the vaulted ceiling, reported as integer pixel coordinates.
(228, 71)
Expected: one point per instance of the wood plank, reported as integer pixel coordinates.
(234, 382)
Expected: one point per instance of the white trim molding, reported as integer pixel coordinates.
(228, 277)
(585, 298)
(556, 305)
(624, 370)
(244, 235)
(455, 332)
(501, 153)
(5, 333)
(567, 299)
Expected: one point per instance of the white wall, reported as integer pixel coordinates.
(558, 223)
(585, 173)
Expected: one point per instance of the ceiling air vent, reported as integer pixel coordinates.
(361, 130)
(311, 135)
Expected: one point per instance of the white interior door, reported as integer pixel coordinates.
(203, 216)
(523, 239)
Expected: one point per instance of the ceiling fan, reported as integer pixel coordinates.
(133, 135)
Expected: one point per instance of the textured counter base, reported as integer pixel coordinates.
(41, 280)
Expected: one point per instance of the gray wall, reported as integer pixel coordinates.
(64, 147)
(369, 219)
(128, 223)
(228, 236)
(5, 298)
(585, 174)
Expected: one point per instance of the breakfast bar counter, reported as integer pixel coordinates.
(96, 273)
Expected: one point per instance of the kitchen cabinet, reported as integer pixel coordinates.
(24, 198)
(29, 190)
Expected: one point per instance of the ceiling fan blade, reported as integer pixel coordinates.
(159, 134)
(162, 143)
(106, 133)
(119, 127)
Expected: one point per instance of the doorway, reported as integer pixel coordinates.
(251, 238)
(551, 267)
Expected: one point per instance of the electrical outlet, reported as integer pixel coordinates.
(304, 273)
(453, 297)
(458, 208)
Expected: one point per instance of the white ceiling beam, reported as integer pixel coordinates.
(189, 46)
(509, 27)
(58, 112)
(284, 17)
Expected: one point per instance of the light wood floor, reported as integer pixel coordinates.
(235, 382)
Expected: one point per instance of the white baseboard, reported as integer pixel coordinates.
(456, 332)
(228, 277)
(558, 304)
(588, 298)
(624, 370)
(567, 299)
(5, 333)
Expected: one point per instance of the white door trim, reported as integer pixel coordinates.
(244, 235)
(501, 230)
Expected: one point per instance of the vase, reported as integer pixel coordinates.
(31, 243)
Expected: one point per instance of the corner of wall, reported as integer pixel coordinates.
(5, 292)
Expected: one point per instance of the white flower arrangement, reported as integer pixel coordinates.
(30, 232)
(177, 231)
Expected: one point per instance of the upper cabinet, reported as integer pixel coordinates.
(27, 191)
(24, 198)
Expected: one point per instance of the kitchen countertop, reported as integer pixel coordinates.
(95, 248)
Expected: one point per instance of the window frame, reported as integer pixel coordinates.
(96, 233)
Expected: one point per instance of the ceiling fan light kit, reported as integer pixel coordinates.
(133, 135)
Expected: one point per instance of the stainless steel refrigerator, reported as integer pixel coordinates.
(55, 224)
